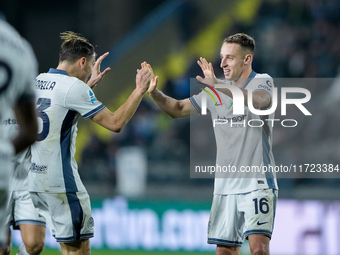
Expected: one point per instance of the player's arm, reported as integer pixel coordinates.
(260, 99)
(174, 108)
(26, 116)
(117, 120)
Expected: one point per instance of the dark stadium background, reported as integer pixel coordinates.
(295, 40)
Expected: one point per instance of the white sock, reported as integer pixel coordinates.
(22, 250)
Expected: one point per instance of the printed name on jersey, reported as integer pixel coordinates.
(44, 85)
(38, 169)
(92, 97)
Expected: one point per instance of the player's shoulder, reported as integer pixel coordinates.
(263, 76)
(77, 89)
(264, 79)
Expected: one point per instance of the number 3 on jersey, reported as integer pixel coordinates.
(43, 104)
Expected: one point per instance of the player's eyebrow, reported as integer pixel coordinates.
(227, 55)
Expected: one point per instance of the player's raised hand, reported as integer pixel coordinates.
(143, 78)
(208, 72)
(154, 81)
(97, 75)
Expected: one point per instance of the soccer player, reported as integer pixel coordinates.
(22, 214)
(18, 68)
(241, 207)
(62, 96)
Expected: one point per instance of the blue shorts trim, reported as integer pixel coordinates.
(258, 232)
(33, 222)
(73, 239)
(224, 242)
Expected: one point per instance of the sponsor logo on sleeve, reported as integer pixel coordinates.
(92, 97)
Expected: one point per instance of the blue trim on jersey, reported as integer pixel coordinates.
(94, 111)
(76, 213)
(266, 160)
(251, 76)
(195, 105)
(258, 232)
(274, 207)
(65, 144)
(57, 71)
(224, 242)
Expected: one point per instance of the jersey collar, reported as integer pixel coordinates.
(251, 76)
(57, 71)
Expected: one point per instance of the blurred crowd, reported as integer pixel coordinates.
(294, 39)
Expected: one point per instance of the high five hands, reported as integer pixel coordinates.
(144, 77)
(154, 80)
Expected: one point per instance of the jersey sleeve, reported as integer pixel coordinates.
(81, 98)
(198, 101)
(264, 83)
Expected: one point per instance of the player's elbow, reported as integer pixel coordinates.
(261, 100)
(117, 128)
(174, 115)
(178, 111)
(259, 103)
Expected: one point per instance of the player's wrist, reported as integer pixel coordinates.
(140, 91)
(154, 92)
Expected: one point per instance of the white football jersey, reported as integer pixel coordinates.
(18, 68)
(240, 147)
(60, 100)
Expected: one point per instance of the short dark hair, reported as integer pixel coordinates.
(74, 47)
(245, 41)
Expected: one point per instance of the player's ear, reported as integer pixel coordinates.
(248, 59)
(82, 62)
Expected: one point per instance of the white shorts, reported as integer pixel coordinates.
(21, 210)
(68, 215)
(237, 216)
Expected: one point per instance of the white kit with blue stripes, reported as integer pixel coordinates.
(18, 68)
(60, 101)
(240, 145)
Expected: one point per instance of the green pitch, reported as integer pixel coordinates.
(111, 252)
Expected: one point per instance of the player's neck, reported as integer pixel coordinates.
(71, 69)
(243, 78)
